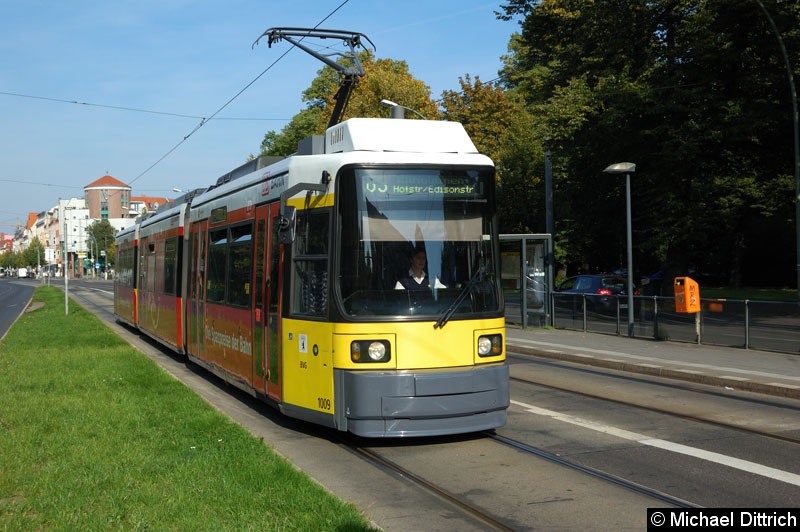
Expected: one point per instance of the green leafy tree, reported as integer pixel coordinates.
(387, 79)
(501, 127)
(8, 260)
(694, 92)
(301, 126)
(33, 255)
(101, 235)
(383, 79)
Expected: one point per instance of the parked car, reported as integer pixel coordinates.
(601, 290)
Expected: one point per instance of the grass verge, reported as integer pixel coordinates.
(753, 294)
(94, 435)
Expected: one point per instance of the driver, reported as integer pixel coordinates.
(417, 279)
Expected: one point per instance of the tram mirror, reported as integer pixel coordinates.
(286, 225)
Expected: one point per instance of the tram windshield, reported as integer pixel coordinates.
(417, 242)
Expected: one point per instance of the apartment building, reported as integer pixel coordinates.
(62, 228)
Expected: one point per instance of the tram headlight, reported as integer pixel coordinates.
(490, 345)
(368, 351)
(376, 351)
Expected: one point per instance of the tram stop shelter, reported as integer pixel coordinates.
(527, 278)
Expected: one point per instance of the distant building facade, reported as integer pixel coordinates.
(107, 198)
(62, 228)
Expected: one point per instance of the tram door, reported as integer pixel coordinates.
(267, 371)
(197, 257)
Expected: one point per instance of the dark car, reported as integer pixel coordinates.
(601, 290)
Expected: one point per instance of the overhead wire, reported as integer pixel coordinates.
(204, 121)
(133, 109)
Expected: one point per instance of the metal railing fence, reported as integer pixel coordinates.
(748, 324)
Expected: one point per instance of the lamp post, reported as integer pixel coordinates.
(627, 169)
(66, 259)
(549, 228)
(399, 111)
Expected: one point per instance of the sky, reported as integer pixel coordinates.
(91, 88)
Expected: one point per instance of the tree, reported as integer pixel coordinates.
(101, 236)
(501, 127)
(9, 260)
(694, 93)
(33, 255)
(383, 79)
(301, 126)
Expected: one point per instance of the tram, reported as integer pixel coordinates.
(284, 279)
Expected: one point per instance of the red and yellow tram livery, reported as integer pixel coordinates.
(125, 296)
(285, 280)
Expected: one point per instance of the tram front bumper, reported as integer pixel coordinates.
(423, 402)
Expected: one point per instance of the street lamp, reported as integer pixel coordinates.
(66, 259)
(399, 111)
(627, 169)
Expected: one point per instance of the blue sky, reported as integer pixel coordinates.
(144, 73)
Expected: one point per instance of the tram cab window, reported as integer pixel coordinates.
(387, 213)
(310, 263)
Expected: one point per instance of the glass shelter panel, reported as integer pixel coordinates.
(526, 278)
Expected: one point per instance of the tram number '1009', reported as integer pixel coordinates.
(324, 403)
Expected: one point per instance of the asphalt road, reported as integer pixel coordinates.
(14, 297)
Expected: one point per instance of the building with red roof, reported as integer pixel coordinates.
(107, 197)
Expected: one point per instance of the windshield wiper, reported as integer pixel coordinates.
(476, 278)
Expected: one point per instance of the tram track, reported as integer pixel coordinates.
(665, 411)
(619, 481)
(485, 520)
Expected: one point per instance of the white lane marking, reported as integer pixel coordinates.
(103, 291)
(736, 463)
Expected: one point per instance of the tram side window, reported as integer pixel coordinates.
(125, 267)
(310, 288)
(240, 267)
(217, 265)
(170, 265)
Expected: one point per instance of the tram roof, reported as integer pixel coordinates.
(367, 141)
(395, 135)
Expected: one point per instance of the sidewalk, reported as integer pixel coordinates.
(739, 369)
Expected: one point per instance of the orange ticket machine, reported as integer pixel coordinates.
(687, 295)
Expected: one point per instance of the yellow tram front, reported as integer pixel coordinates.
(413, 310)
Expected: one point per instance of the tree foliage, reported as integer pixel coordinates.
(383, 79)
(100, 234)
(33, 255)
(695, 93)
(501, 127)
